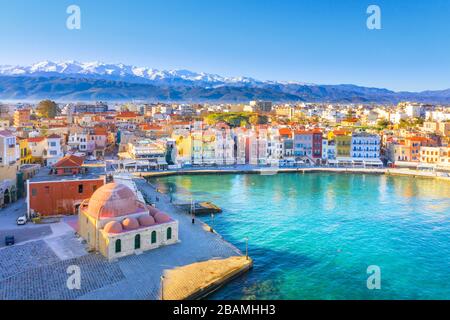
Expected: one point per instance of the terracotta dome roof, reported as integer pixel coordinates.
(113, 227)
(162, 217)
(146, 220)
(113, 200)
(130, 224)
(152, 210)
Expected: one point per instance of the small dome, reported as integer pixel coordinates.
(130, 224)
(152, 210)
(162, 217)
(146, 220)
(113, 227)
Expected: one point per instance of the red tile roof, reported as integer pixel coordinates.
(37, 139)
(285, 131)
(127, 114)
(69, 161)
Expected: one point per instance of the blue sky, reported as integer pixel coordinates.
(317, 41)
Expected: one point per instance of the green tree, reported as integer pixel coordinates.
(47, 109)
(384, 123)
(256, 119)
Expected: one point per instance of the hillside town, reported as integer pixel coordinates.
(136, 137)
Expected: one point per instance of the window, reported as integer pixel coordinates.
(169, 233)
(118, 246)
(33, 192)
(153, 237)
(137, 241)
(80, 188)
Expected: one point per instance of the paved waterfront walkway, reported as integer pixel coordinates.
(38, 269)
(275, 170)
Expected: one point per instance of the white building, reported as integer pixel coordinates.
(413, 110)
(365, 147)
(53, 151)
(224, 148)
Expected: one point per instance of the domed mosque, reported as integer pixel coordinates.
(115, 223)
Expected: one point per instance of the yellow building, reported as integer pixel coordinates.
(343, 145)
(25, 152)
(184, 147)
(22, 118)
(9, 165)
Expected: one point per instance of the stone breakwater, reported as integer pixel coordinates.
(189, 278)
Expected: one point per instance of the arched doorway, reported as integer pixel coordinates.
(169, 233)
(118, 246)
(137, 242)
(6, 197)
(153, 237)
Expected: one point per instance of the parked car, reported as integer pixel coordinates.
(9, 240)
(21, 220)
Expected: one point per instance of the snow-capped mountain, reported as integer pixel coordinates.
(90, 81)
(100, 70)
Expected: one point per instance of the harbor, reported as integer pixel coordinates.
(133, 277)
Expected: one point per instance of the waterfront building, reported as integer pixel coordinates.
(328, 150)
(203, 147)
(257, 146)
(275, 148)
(146, 154)
(343, 141)
(435, 155)
(183, 147)
(224, 146)
(399, 152)
(365, 146)
(308, 144)
(114, 222)
(241, 137)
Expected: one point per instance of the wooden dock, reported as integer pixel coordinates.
(199, 208)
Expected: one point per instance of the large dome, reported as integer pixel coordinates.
(114, 200)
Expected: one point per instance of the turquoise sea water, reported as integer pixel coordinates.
(312, 236)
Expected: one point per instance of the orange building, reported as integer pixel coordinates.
(60, 197)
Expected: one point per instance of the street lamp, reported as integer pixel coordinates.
(193, 211)
(162, 287)
(246, 248)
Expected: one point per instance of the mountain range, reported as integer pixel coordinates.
(75, 81)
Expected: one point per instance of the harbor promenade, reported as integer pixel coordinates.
(37, 269)
(246, 169)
